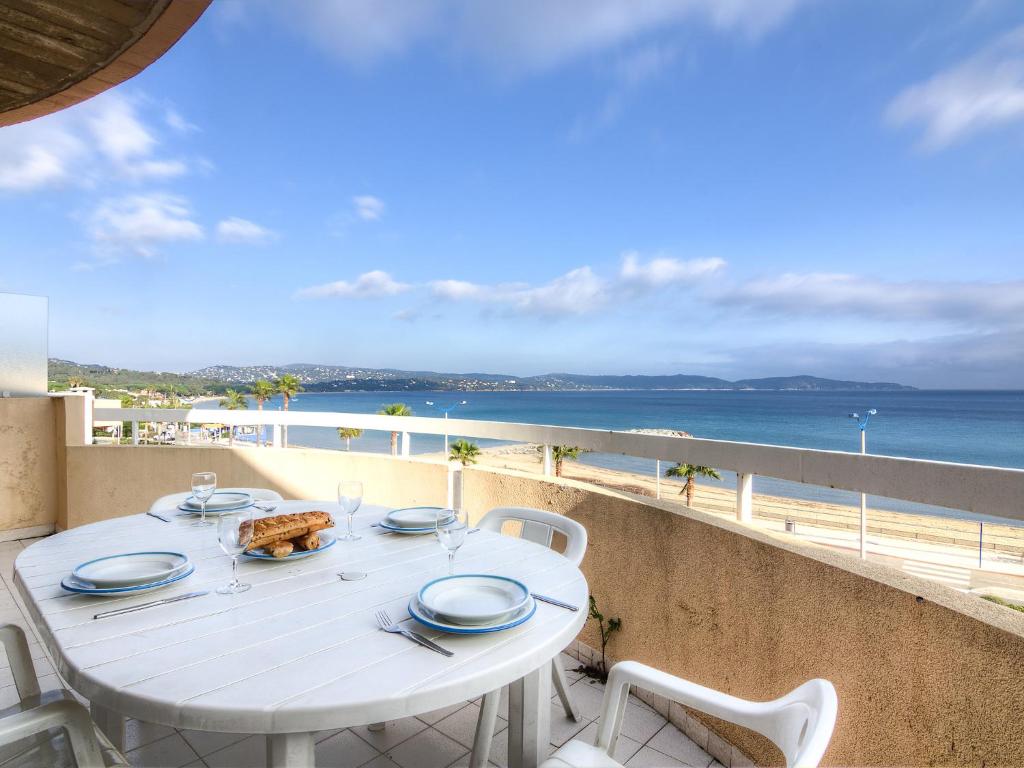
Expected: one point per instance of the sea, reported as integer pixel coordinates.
(973, 427)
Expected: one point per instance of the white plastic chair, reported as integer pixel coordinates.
(800, 723)
(172, 500)
(32, 732)
(538, 526)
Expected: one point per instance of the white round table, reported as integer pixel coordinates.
(300, 651)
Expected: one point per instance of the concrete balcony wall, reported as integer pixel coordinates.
(925, 675)
(110, 481)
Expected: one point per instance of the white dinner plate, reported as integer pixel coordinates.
(326, 540)
(131, 568)
(473, 599)
(427, 619)
(414, 517)
(71, 584)
(410, 531)
(220, 500)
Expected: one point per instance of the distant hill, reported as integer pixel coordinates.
(814, 383)
(337, 378)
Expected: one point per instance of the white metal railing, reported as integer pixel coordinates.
(993, 491)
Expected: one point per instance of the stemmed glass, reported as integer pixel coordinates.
(350, 496)
(203, 486)
(234, 532)
(452, 526)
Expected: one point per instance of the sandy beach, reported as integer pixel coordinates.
(1004, 539)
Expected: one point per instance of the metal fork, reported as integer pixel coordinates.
(389, 626)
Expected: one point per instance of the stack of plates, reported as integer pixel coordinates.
(414, 520)
(131, 572)
(219, 503)
(472, 604)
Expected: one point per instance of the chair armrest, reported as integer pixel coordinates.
(66, 714)
(799, 723)
(20, 658)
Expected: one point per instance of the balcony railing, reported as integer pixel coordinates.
(994, 491)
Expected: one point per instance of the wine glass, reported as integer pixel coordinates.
(234, 532)
(452, 526)
(203, 486)
(350, 496)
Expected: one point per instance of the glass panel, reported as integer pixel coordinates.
(23, 344)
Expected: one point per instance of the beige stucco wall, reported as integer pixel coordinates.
(109, 481)
(925, 675)
(28, 463)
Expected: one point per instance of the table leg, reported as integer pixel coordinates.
(110, 722)
(290, 750)
(529, 719)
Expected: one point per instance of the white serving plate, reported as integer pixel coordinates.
(71, 584)
(428, 619)
(221, 500)
(408, 531)
(326, 540)
(473, 599)
(131, 568)
(414, 517)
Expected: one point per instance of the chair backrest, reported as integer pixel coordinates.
(800, 723)
(539, 526)
(174, 499)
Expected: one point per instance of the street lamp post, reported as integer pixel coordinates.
(862, 422)
(445, 411)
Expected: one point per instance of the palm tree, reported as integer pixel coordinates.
(288, 387)
(395, 409)
(262, 390)
(347, 433)
(464, 452)
(691, 471)
(233, 401)
(559, 453)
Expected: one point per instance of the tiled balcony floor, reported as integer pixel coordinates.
(435, 740)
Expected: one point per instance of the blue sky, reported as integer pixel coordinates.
(726, 187)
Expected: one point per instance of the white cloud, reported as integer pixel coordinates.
(974, 304)
(138, 224)
(663, 270)
(368, 207)
(577, 292)
(529, 35)
(102, 138)
(369, 285)
(177, 121)
(238, 230)
(982, 92)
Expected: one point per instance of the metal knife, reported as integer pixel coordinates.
(159, 517)
(416, 637)
(143, 606)
(559, 603)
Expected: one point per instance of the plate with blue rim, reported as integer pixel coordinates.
(220, 502)
(72, 584)
(412, 520)
(327, 540)
(424, 617)
(473, 599)
(131, 568)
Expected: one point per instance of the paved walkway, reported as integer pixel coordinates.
(435, 740)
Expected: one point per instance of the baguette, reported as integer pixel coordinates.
(266, 530)
(307, 543)
(279, 548)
